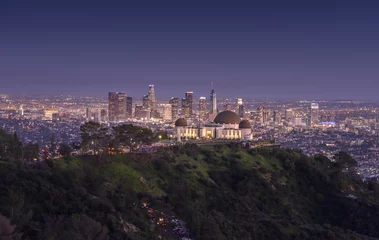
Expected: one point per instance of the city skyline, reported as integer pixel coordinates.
(293, 50)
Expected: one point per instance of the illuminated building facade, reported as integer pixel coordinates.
(174, 107)
(116, 106)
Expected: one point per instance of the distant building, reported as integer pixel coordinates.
(289, 115)
(314, 114)
(297, 121)
(187, 103)
(240, 108)
(260, 111)
(146, 102)
(265, 117)
(48, 114)
(151, 97)
(228, 107)
(88, 114)
(213, 101)
(129, 107)
(116, 106)
(165, 111)
(277, 117)
(142, 113)
(189, 100)
(174, 107)
(226, 125)
(202, 108)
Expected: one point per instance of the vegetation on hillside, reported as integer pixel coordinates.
(221, 192)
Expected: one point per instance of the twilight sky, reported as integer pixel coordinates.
(283, 49)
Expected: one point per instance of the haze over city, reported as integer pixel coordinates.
(322, 50)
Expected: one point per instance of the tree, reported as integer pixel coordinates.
(7, 230)
(53, 145)
(131, 136)
(94, 136)
(65, 150)
(31, 151)
(343, 160)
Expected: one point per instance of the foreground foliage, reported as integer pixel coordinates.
(221, 192)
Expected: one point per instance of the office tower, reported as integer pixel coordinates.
(117, 106)
(239, 101)
(265, 117)
(151, 96)
(228, 107)
(289, 115)
(165, 111)
(260, 114)
(185, 108)
(129, 107)
(21, 110)
(213, 101)
(241, 111)
(103, 114)
(146, 102)
(174, 107)
(202, 108)
(189, 100)
(277, 117)
(142, 113)
(88, 114)
(314, 114)
(96, 117)
(240, 108)
(297, 121)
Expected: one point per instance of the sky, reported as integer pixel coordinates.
(279, 49)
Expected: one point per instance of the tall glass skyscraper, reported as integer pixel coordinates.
(213, 101)
(314, 114)
(116, 106)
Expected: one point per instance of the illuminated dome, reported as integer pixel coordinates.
(244, 124)
(181, 122)
(227, 117)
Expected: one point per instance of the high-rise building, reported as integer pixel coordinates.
(174, 107)
(151, 96)
(185, 108)
(240, 108)
(142, 113)
(314, 114)
(165, 111)
(88, 114)
(265, 117)
(228, 107)
(277, 117)
(21, 110)
(260, 111)
(202, 108)
(289, 115)
(213, 101)
(103, 114)
(146, 103)
(189, 100)
(129, 107)
(116, 106)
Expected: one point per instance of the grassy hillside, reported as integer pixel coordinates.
(221, 192)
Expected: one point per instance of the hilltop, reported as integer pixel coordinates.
(217, 192)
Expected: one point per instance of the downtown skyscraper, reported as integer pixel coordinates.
(213, 101)
(187, 103)
(174, 107)
(314, 119)
(202, 108)
(117, 106)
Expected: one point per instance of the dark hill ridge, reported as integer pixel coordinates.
(220, 192)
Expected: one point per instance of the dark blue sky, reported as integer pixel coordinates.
(254, 49)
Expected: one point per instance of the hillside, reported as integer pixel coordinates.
(220, 192)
